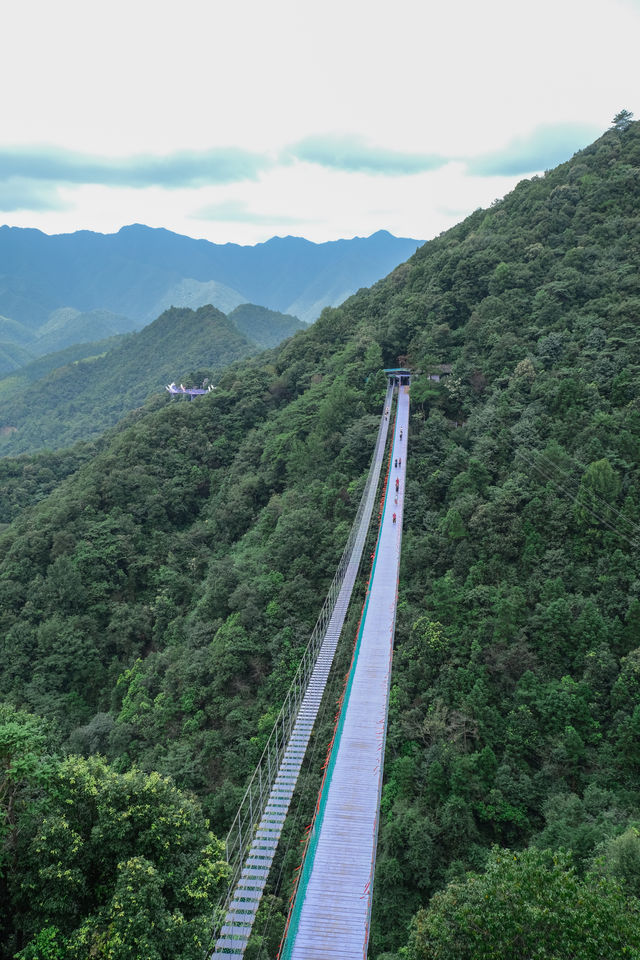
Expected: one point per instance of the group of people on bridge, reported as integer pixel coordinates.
(397, 464)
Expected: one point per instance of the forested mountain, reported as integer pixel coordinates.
(139, 272)
(194, 294)
(79, 392)
(66, 327)
(82, 398)
(13, 356)
(14, 351)
(154, 606)
(265, 327)
(36, 369)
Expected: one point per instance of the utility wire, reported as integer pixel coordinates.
(632, 534)
(584, 505)
(594, 496)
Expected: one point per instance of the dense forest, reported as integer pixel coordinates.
(76, 394)
(154, 604)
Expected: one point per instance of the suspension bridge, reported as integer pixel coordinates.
(331, 911)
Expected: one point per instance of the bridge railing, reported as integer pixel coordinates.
(257, 793)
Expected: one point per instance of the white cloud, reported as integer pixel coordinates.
(421, 78)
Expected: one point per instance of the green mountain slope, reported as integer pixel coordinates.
(67, 326)
(12, 331)
(28, 479)
(15, 345)
(77, 392)
(80, 400)
(12, 357)
(265, 327)
(34, 370)
(194, 294)
(156, 603)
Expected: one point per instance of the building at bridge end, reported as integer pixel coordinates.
(398, 376)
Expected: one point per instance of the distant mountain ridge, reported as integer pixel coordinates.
(197, 293)
(67, 326)
(139, 271)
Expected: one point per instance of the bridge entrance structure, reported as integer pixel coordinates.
(398, 376)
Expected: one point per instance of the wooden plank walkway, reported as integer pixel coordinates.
(332, 909)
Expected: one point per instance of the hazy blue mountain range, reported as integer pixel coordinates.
(14, 332)
(139, 271)
(194, 294)
(77, 393)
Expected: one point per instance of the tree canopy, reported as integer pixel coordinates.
(527, 906)
(95, 862)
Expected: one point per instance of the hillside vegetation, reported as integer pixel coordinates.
(12, 356)
(155, 604)
(52, 403)
(32, 370)
(67, 327)
(76, 393)
(266, 328)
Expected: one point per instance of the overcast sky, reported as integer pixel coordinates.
(237, 120)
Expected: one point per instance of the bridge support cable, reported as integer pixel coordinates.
(331, 913)
(252, 840)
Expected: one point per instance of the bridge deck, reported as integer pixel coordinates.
(330, 917)
(242, 910)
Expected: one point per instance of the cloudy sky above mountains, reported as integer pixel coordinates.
(238, 121)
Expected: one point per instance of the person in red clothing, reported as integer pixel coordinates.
(394, 518)
(397, 484)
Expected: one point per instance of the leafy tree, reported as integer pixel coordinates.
(622, 120)
(97, 863)
(619, 857)
(599, 488)
(527, 905)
